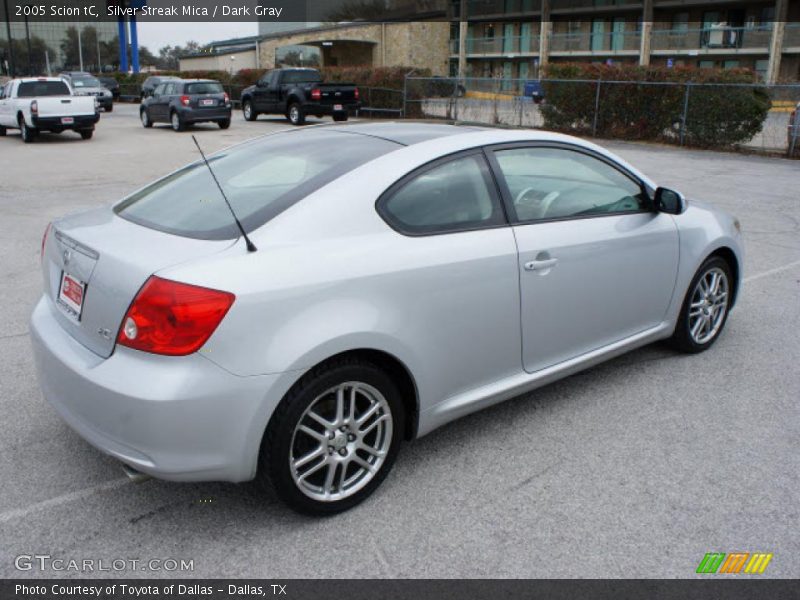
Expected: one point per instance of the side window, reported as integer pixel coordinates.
(554, 183)
(159, 89)
(169, 89)
(447, 197)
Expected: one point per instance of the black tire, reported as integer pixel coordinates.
(248, 111)
(279, 436)
(147, 122)
(340, 116)
(176, 121)
(86, 134)
(682, 338)
(224, 124)
(296, 114)
(2, 131)
(28, 133)
(110, 108)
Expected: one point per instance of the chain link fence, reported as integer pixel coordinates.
(746, 116)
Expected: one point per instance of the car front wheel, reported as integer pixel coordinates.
(145, 117)
(247, 110)
(333, 438)
(705, 308)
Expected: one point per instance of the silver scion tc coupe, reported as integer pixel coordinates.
(400, 276)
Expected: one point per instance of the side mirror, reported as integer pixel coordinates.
(669, 201)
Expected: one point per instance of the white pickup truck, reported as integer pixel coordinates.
(37, 104)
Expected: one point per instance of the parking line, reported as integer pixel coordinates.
(785, 267)
(19, 513)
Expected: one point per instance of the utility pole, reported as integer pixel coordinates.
(80, 47)
(28, 38)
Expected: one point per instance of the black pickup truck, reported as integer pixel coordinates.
(297, 93)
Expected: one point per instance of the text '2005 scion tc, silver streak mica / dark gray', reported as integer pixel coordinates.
(406, 275)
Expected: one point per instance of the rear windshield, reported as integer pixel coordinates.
(260, 178)
(85, 82)
(206, 87)
(301, 77)
(32, 89)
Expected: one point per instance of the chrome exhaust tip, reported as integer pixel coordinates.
(134, 475)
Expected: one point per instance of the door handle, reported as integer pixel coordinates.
(541, 265)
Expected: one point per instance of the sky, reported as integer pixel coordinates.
(158, 35)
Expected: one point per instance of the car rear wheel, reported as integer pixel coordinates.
(110, 108)
(86, 134)
(224, 124)
(248, 111)
(2, 131)
(333, 438)
(342, 116)
(295, 114)
(145, 117)
(28, 133)
(176, 121)
(705, 308)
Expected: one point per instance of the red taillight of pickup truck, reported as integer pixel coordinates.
(34, 108)
(356, 94)
(316, 94)
(185, 100)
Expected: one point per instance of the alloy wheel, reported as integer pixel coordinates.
(341, 441)
(708, 306)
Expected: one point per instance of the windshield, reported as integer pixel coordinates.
(31, 89)
(260, 178)
(204, 87)
(85, 82)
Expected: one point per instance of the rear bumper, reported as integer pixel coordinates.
(198, 115)
(54, 123)
(177, 418)
(327, 109)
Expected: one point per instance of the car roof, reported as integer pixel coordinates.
(405, 133)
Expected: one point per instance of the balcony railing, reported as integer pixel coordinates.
(791, 35)
(711, 37)
(499, 45)
(606, 42)
(563, 5)
(477, 8)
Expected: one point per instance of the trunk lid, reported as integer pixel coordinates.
(112, 258)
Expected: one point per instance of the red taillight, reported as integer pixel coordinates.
(227, 98)
(356, 94)
(172, 318)
(185, 100)
(44, 240)
(316, 94)
(34, 107)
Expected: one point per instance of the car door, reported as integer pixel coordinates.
(261, 93)
(459, 283)
(596, 263)
(5, 106)
(154, 103)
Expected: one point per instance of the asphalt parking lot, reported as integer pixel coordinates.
(635, 468)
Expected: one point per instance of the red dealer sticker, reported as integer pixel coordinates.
(71, 293)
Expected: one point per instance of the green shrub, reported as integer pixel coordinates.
(647, 103)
